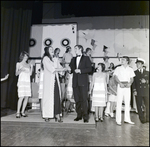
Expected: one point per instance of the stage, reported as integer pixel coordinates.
(34, 116)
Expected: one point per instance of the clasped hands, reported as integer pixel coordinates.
(77, 71)
(69, 70)
(125, 85)
(66, 69)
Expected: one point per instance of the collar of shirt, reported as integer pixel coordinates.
(78, 60)
(141, 70)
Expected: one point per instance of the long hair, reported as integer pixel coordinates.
(113, 66)
(46, 53)
(22, 54)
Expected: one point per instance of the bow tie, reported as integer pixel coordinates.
(78, 56)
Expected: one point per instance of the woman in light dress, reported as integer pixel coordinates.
(23, 71)
(51, 105)
(66, 59)
(99, 93)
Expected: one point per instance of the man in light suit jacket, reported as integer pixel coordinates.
(141, 90)
(80, 66)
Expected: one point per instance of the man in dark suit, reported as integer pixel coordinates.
(80, 66)
(141, 90)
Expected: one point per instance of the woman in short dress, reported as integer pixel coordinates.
(23, 71)
(99, 94)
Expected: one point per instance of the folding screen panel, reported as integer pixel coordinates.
(56, 35)
(59, 36)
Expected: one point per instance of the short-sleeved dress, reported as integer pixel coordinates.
(99, 91)
(24, 82)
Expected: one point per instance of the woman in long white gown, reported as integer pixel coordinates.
(51, 96)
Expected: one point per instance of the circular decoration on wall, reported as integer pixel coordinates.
(48, 42)
(32, 42)
(65, 42)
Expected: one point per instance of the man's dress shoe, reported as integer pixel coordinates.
(86, 121)
(77, 119)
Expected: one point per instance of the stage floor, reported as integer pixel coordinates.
(35, 117)
(34, 131)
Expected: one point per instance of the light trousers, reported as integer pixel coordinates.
(123, 94)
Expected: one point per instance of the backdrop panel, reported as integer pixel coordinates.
(119, 42)
(59, 36)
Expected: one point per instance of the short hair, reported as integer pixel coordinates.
(80, 47)
(56, 49)
(67, 49)
(102, 65)
(144, 66)
(127, 58)
(88, 49)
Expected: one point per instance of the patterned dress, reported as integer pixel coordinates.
(24, 83)
(99, 90)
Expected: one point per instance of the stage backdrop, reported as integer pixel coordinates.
(118, 42)
(56, 35)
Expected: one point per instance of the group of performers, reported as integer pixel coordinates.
(76, 83)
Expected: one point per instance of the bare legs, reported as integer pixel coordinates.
(19, 104)
(112, 108)
(22, 101)
(24, 105)
(99, 113)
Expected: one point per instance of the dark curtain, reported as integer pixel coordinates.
(15, 35)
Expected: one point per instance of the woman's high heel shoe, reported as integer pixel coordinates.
(56, 119)
(18, 115)
(96, 119)
(47, 119)
(60, 119)
(24, 115)
(101, 119)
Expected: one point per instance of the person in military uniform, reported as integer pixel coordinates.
(141, 90)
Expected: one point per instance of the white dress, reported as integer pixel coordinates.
(99, 91)
(24, 82)
(69, 89)
(41, 84)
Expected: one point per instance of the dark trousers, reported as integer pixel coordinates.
(81, 99)
(57, 103)
(143, 117)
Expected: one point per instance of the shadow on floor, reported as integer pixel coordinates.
(7, 111)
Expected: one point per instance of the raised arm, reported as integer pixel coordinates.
(18, 69)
